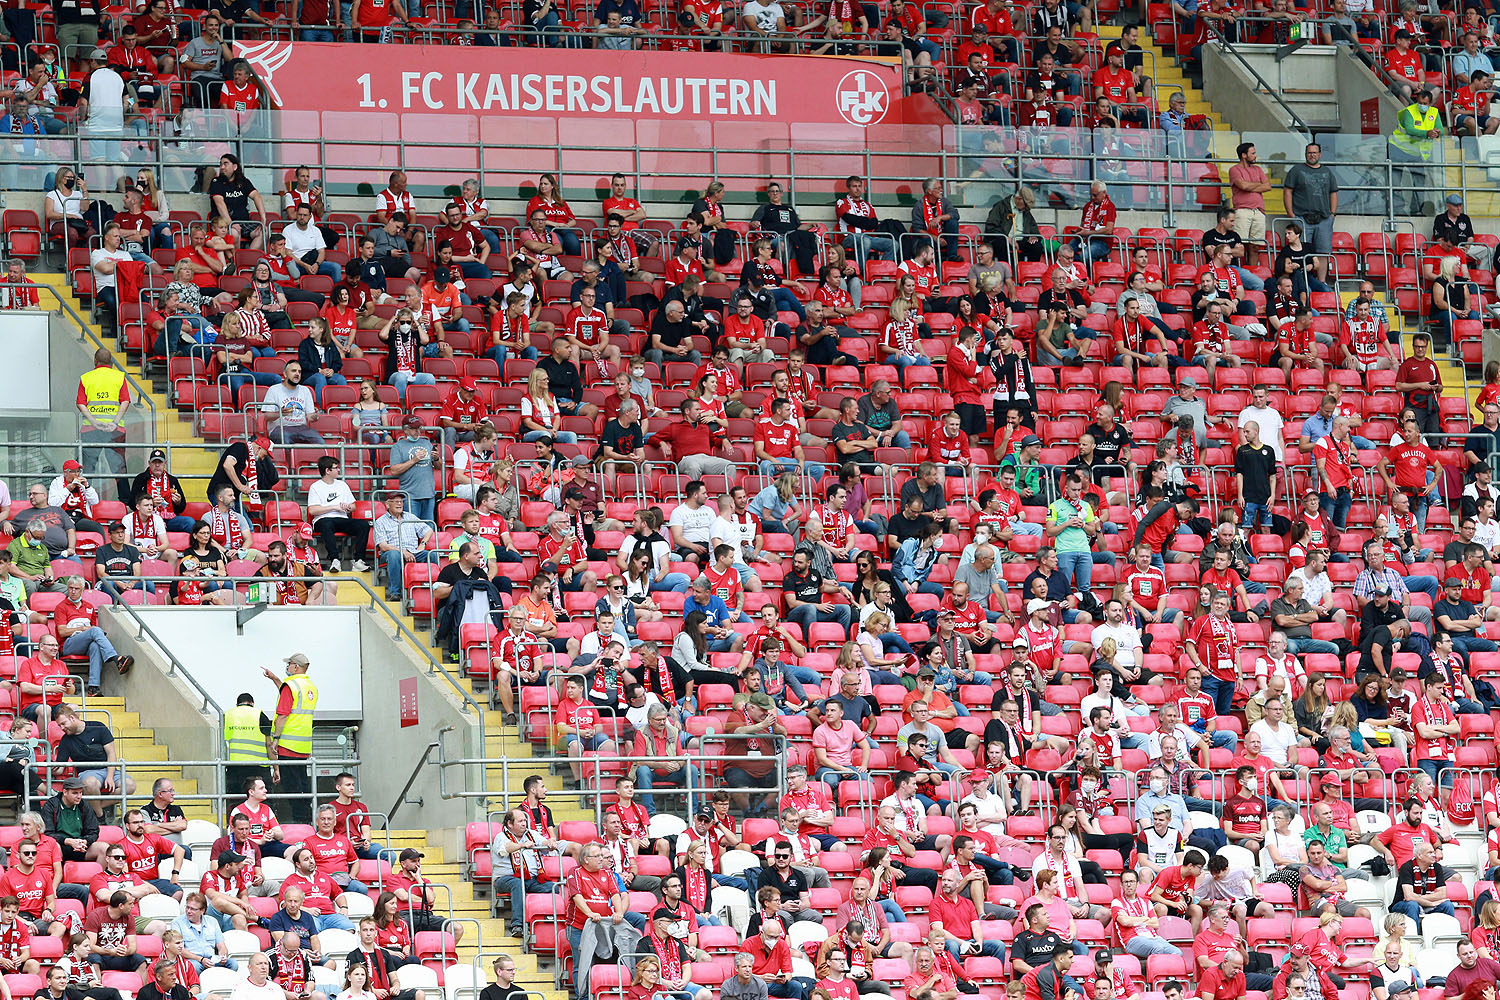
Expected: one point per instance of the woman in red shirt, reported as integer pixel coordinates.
(560, 219)
(961, 380)
(343, 321)
(392, 933)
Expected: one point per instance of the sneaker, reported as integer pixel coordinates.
(124, 663)
(92, 692)
(334, 567)
(360, 566)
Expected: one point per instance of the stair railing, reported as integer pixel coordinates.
(1294, 120)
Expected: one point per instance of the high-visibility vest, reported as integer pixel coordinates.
(242, 735)
(101, 390)
(296, 733)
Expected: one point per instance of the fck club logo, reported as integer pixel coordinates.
(862, 97)
(265, 58)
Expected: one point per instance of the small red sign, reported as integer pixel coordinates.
(406, 698)
(1369, 116)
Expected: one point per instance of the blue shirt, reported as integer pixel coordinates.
(305, 926)
(1317, 427)
(201, 939)
(716, 611)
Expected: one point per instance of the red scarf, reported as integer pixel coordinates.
(670, 954)
(930, 212)
(695, 887)
(251, 476)
(226, 530)
(159, 488)
(77, 504)
(406, 350)
(604, 676)
(139, 531)
(286, 591)
(1064, 872)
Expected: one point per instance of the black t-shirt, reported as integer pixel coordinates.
(1213, 239)
(1044, 89)
(842, 431)
(109, 561)
(856, 709)
(1058, 587)
(791, 886)
(1454, 551)
(670, 334)
(236, 195)
(933, 497)
(1258, 466)
(807, 589)
(1109, 446)
(454, 572)
(566, 383)
(1070, 298)
(622, 439)
(155, 814)
(1456, 610)
(630, 13)
(776, 218)
(1035, 949)
(86, 747)
(903, 527)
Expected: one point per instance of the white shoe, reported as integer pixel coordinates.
(360, 566)
(334, 567)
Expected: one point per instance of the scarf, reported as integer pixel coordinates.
(1064, 871)
(142, 532)
(670, 954)
(903, 336)
(867, 914)
(286, 590)
(77, 504)
(695, 887)
(251, 475)
(930, 211)
(159, 488)
(666, 689)
(226, 530)
(405, 348)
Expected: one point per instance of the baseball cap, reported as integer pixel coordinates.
(72, 464)
(73, 783)
(412, 420)
(441, 276)
(116, 526)
(1332, 779)
(1398, 986)
(298, 658)
(945, 613)
(1311, 491)
(304, 530)
(1382, 591)
(1190, 381)
(1454, 199)
(230, 858)
(264, 443)
(409, 853)
(468, 383)
(1021, 642)
(573, 493)
(926, 672)
(662, 913)
(1453, 581)
(157, 455)
(1037, 604)
(1029, 440)
(762, 701)
(98, 55)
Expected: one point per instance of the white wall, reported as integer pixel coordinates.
(28, 350)
(226, 663)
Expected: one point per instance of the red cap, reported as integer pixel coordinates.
(468, 383)
(264, 443)
(72, 464)
(304, 530)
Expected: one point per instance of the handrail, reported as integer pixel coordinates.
(411, 779)
(1225, 45)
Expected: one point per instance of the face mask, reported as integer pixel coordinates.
(1090, 787)
(637, 373)
(1159, 786)
(405, 328)
(1249, 787)
(677, 929)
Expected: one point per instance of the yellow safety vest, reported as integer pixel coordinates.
(242, 735)
(296, 734)
(101, 391)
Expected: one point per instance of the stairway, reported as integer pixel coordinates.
(196, 457)
(1166, 75)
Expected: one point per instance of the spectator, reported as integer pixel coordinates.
(1421, 887)
(401, 538)
(1311, 193)
(330, 504)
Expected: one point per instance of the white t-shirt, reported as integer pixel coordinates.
(733, 533)
(105, 91)
(299, 241)
(1270, 423)
(1487, 533)
(1127, 642)
(765, 15)
(69, 206)
(295, 404)
(321, 494)
(695, 524)
(1276, 743)
(102, 280)
(246, 990)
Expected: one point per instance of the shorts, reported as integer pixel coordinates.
(98, 774)
(1483, 121)
(592, 743)
(1250, 224)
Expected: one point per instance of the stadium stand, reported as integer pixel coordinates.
(905, 596)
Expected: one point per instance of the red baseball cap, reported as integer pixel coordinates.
(305, 530)
(468, 383)
(264, 443)
(72, 464)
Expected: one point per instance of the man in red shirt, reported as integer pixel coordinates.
(1412, 460)
(962, 929)
(32, 887)
(1135, 339)
(810, 802)
(320, 894)
(1403, 66)
(1172, 892)
(76, 622)
(463, 412)
(333, 852)
(778, 446)
(1096, 228)
(1225, 981)
(1296, 344)
(144, 851)
(1213, 647)
(1419, 379)
(590, 892)
(1118, 85)
(771, 958)
(1208, 346)
(586, 330)
(1471, 106)
(1244, 818)
(1364, 342)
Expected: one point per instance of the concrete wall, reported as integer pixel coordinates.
(166, 704)
(1236, 95)
(389, 752)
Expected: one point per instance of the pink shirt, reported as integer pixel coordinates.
(1247, 199)
(838, 745)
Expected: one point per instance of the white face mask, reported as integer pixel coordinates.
(1249, 787)
(637, 373)
(1090, 787)
(1159, 786)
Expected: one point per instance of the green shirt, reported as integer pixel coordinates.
(13, 589)
(1027, 476)
(458, 541)
(29, 557)
(1335, 841)
(1071, 539)
(70, 822)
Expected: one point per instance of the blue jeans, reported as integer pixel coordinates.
(871, 245)
(1078, 567)
(1145, 947)
(1423, 584)
(331, 270)
(332, 921)
(1336, 506)
(474, 269)
(806, 615)
(787, 302)
(317, 35)
(492, 238)
(422, 508)
(561, 437)
(96, 644)
(1309, 645)
(1097, 249)
(393, 568)
(991, 949)
(893, 640)
(677, 582)
(1254, 512)
(833, 779)
(113, 589)
(1415, 910)
(1473, 644)
(901, 362)
(1222, 692)
(401, 380)
(500, 355)
(770, 467)
(1441, 773)
(646, 779)
(318, 380)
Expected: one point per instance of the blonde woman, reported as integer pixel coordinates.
(776, 506)
(1451, 293)
(871, 650)
(901, 345)
(540, 414)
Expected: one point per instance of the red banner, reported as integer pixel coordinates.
(593, 83)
